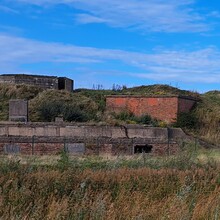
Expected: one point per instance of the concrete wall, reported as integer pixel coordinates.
(18, 110)
(86, 131)
(45, 82)
(164, 108)
(40, 138)
(7, 79)
(69, 85)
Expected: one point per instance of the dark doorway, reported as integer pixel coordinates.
(138, 149)
(61, 83)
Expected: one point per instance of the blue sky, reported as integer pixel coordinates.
(126, 42)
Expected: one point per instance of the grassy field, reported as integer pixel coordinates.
(185, 186)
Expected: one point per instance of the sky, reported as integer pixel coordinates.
(121, 42)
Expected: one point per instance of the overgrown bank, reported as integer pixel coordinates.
(87, 105)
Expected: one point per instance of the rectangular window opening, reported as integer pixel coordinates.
(138, 149)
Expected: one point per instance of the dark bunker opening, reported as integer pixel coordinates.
(138, 149)
(61, 83)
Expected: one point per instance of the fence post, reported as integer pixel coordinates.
(168, 141)
(64, 145)
(32, 146)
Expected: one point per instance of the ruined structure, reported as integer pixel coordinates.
(52, 138)
(18, 110)
(165, 108)
(45, 82)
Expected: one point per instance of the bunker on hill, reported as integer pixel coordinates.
(45, 82)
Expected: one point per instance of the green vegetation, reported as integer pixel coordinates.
(130, 118)
(185, 186)
(73, 107)
(182, 186)
(208, 115)
(84, 105)
(8, 91)
(187, 120)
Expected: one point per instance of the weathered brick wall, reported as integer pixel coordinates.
(92, 146)
(162, 108)
(185, 105)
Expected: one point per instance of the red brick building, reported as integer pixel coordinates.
(164, 108)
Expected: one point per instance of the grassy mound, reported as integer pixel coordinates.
(87, 105)
(208, 116)
(72, 106)
(12, 91)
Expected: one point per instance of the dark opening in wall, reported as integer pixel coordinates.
(138, 149)
(61, 83)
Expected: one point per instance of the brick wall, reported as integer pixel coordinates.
(92, 147)
(164, 108)
(185, 105)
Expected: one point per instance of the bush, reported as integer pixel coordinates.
(130, 117)
(49, 110)
(186, 120)
(125, 116)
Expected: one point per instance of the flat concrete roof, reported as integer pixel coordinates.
(41, 76)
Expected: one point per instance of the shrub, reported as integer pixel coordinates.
(145, 119)
(125, 116)
(49, 110)
(74, 113)
(186, 120)
(130, 117)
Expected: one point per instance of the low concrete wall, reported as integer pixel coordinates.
(51, 138)
(71, 130)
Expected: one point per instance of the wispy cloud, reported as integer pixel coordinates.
(6, 9)
(191, 66)
(150, 15)
(86, 19)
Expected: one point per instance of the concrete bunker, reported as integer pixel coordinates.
(142, 148)
(45, 82)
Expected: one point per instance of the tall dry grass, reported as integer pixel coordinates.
(208, 115)
(92, 190)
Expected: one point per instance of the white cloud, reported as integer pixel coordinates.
(86, 19)
(149, 15)
(192, 66)
(8, 10)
